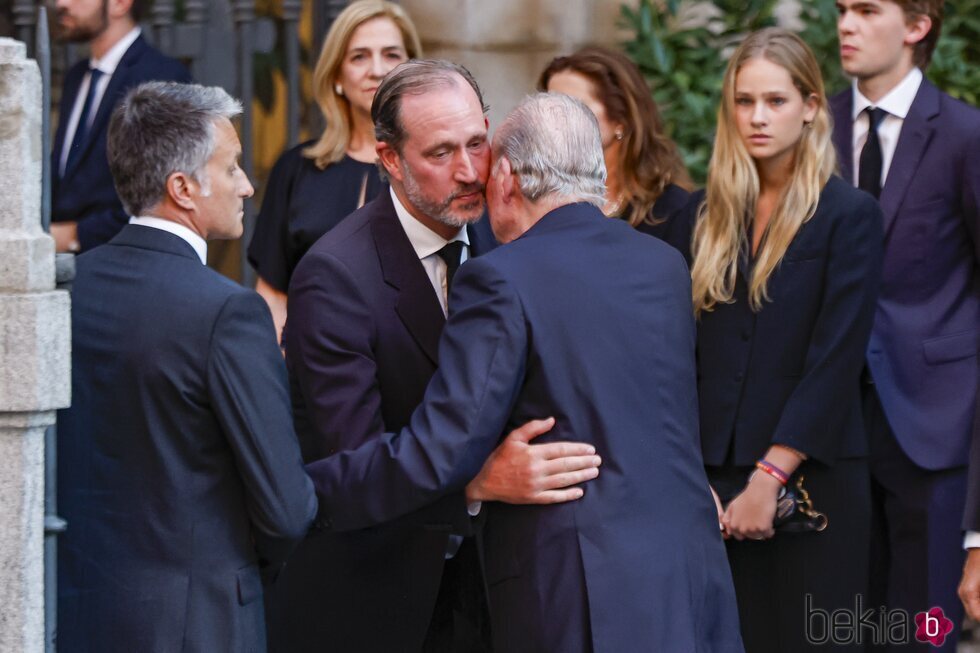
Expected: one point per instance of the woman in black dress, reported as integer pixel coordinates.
(317, 184)
(786, 261)
(646, 180)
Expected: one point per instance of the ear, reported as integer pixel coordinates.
(119, 8)
(917, 28)
(506, 181)
(810, 106)
(390, 160)
(181, 189)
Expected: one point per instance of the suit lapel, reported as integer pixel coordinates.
(109, 100)
(481, 236)
(912, 142)
(417, 305)
(72, 82)
(843, 135)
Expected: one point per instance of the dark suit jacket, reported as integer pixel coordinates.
(789, 374)
(548, 325)
(179, 472)
(86, 193)
(923, 349)
(361, 343)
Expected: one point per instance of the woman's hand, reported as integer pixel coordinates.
(721, 512)
(750, 514)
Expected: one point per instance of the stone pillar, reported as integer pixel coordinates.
(507, 43)
(34, 352)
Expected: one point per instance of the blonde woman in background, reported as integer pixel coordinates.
(317, 184)
(786, 262)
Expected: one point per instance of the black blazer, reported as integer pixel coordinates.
(86, 193)
(179, 468)
(789, 374)
(361, 344)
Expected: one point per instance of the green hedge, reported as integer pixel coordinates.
(684, 64)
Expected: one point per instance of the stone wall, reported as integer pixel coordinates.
(507, 43)
(34, 353)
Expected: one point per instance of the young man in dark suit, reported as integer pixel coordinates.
(367, 305)
(918, 151)
(539, 326)
(85, 210)
(178, 468)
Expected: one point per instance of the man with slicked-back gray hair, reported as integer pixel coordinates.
(583, 318)
(179, 471)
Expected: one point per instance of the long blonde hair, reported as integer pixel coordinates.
(336, 109)
(733, 181)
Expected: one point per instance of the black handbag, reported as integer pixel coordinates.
(794, 510)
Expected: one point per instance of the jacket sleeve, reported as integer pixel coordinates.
(482, 357)
(248, 390)
(840, 334)
(329, 341)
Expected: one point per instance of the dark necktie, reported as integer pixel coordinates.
(81, 130)
(451, 254)
(869, 165)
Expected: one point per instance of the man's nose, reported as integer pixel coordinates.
(465, 171)
(246, 190)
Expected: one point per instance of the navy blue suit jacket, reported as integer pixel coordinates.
(179, 472)
(361, 344)
(588, 320)
(86, 193)
(923, 349)
(789, 374)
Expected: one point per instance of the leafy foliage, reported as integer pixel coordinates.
(684, 59)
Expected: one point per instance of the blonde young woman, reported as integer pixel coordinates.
(786, 260)
(317, 184)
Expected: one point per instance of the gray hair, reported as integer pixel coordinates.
(160, 128)
(413, 77)
(553, 145)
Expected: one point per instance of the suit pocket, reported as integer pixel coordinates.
(946, 349)
(249, 584)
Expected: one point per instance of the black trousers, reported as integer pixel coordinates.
(788, 586)
(917, 545)
(460, 620)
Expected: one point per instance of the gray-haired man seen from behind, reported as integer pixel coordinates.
(583, 318)
(179, 471)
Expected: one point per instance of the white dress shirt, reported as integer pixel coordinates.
(897, 103)
(107, 64)
(190, 237)
(427, 244)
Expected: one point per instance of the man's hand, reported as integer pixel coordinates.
(721, 512)
(519, 472)
(65, 236)
(970, 584)
(750, 514)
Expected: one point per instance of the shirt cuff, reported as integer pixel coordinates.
(971, 540)
(475, 507)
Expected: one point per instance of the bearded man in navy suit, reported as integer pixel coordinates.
(918, 151)
(544, 325)
(85, 210)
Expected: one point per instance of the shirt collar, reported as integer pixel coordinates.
(896, 102)
(110, 60)
(190, 237)
(424, 241)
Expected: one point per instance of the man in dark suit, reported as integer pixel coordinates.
(918, 151)
(366, 307)
(179, 471)
(544, 325)
(85, 210)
